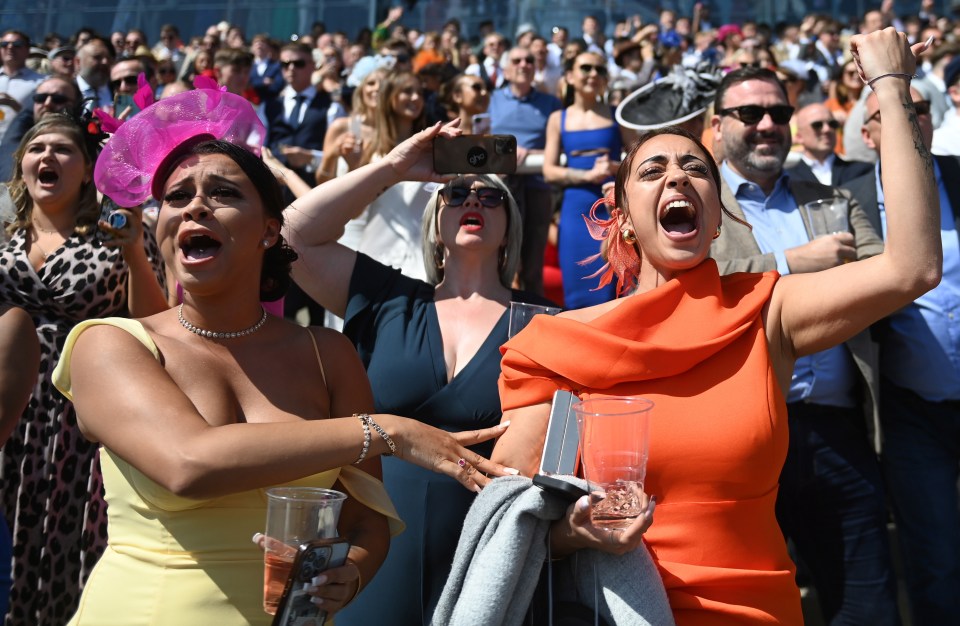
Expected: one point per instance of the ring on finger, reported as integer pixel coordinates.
(462, 462)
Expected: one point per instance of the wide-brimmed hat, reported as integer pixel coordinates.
(622, 48)
(674, 99)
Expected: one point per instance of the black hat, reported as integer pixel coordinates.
(676, 98)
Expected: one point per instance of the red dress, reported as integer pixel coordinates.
(696, 347)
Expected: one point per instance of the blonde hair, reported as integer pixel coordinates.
(385, 117)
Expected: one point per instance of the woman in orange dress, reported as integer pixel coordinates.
(714, 353)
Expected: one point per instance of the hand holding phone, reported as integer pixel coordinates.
(296, 606)
(475, 154)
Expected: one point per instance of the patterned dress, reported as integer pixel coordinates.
(50, 482)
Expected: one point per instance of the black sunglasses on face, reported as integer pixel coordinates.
(519, 60)
(751, 114)
(586, 68)
(129, 81)
(488, 196)
(299, 64)
(819, 124)
(922, 107)
(478, 87)
(12, 44)
(56, 98)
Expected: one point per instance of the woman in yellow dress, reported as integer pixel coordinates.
(200, 408)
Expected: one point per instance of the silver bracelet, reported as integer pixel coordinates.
(383, 434)
(909, 77)
(366, 436)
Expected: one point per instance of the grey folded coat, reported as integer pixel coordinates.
(502, 548)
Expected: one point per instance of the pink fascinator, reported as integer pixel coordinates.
(126, 168)
(623, 260)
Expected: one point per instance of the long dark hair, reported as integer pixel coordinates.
(275, 273)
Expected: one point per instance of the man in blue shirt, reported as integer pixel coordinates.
(831, 500)
(520, 110)
(920, 397)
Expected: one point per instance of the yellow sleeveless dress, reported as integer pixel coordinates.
(179, 561)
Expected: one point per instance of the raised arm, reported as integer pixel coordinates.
(850, 297)
(315, 220)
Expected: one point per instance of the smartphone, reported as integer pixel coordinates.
(475, 154)
(561, 446)
(480, 123)
(568, 491)
(295, 607)
(121, 102)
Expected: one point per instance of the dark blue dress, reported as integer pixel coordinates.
(574, 243)
(392, 321)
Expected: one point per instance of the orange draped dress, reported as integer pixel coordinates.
(696, 347)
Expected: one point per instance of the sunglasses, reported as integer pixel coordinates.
(299, 64)
(751, 114)
(519, 60)
(819, 124)
(56, 98)
(65, 58)
(488, 196)
(586, 68)
(166, 70)
(478, 87)
(129, 81)
(12, 44)
(922, 107)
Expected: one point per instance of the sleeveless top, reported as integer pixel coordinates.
(696, 347)
(175, 560)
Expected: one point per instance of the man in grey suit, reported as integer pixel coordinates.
(831, 500)
(920, 396)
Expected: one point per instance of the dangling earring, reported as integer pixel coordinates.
(628, 237)
(717, 234)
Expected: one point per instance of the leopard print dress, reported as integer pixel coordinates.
(51, 490)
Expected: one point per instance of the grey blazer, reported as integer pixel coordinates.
(736, 250)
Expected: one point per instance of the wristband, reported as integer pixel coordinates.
(895, 74)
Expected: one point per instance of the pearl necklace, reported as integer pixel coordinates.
(209, 334)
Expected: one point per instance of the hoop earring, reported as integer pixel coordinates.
(628, 237)
(717, 234)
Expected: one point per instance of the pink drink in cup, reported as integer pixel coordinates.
(295, 516)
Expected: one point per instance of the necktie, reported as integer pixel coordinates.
(297, 108)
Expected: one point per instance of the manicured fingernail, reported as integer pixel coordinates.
(583, 503)
(319, 580)
(306, 587)
(928, 42)
(257, 538)
(317, 601)
(504, 424)
(477, 488)
(511, 471)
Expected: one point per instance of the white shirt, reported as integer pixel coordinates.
(822, 170)
(946, 138)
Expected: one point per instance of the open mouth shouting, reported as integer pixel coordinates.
(198, 246)
(679, 219)
(48, 177)
(471, 221)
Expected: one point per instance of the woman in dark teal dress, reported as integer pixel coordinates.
(431, 349)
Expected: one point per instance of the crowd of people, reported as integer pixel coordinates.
(175, 212)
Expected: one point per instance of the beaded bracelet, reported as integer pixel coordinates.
(383, 434)
(896, 74)
(366, 437)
